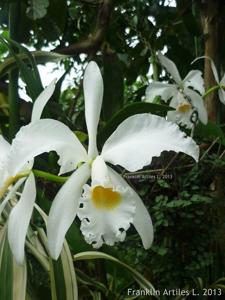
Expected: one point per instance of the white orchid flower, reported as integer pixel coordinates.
(16, 160)
(109, 205)
(221, 83)
(182, 90)
(184, 113)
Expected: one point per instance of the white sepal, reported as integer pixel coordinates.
(164, 90)
(19, 219)
(4, 149)
(41, 101)
(170, 67)
(93, 95)
(198, 103)
(194, 79)
(64, 209)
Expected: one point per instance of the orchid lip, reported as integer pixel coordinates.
(105, 198)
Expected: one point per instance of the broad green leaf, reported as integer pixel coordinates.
(41, 57)
(34, 69)
(13, 276)
(210, 132)
(63, 278)
(62, 272)
(86, 280)
(129, 110)
(30, 75)
(90, 255)
(37, 9)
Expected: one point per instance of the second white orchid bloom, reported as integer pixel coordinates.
(108, 206)
(221, 83)
(188, 103)
(16, 160)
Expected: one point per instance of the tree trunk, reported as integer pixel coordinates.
(210, 12)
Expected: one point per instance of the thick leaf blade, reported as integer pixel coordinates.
(210, 132)
(62, 272)
(63, 278)
(90, 255)
(13, 276)
(41, 57)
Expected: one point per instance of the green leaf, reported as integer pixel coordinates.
(88, 281)
(62, 273)
(210, 132)
(129, 110)
(41, 57)
(37, 9)
(13, 276)
(63, 278)
(90, 255)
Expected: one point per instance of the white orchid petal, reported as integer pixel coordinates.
(141, 137)
(221, 91)
(109, 222)
(19, 219)
(4, 149)
(172, 116)
(213, 67)
(222, 82)
(93, 95)
(42, 100)
(221, 94)
(195, 80)
(44, 136)
(183, 119)
(170, 67)
(198, 103)
(164, 90)
(214, 70)
(142, 220)
(64, 209)
(11, 194)
(177, 100)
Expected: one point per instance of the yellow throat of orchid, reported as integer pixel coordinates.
(184, 107)
(105, 198)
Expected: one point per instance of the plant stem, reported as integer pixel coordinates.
(50, 177)
(210, 90)
(14, 16)
(155, 67)
(11, 180)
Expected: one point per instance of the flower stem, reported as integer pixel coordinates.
(50, 177)
(211, 90)
(12, 180)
